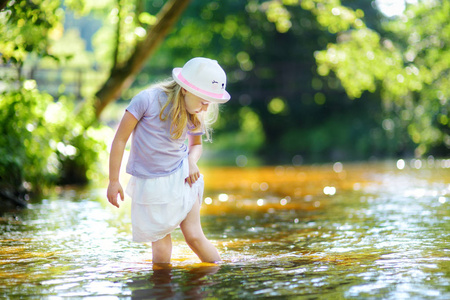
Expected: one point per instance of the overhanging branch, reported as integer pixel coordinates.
(122, 77)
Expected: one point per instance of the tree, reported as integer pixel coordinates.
(3, 4)
(281, 107)
(408, 61)
(123, 73)
(24, 28)
(32, 36)
(41, 143)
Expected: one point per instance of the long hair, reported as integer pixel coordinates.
(180, 117)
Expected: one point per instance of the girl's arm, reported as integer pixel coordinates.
(195, 151)
(126, 126)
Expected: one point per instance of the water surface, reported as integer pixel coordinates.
(338, 231)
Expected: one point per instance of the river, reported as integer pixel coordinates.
(338, 231)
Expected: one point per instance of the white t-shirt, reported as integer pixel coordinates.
(153, 151)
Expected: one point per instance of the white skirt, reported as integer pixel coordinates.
(160, 204)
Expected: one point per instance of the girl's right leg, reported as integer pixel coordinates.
(195, 238)
(162, 250)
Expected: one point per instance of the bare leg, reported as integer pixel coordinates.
(162, 250)
(195, 238)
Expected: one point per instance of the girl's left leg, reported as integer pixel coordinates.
(195, 238)
(162, 250)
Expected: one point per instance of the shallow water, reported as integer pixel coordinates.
(342, 231)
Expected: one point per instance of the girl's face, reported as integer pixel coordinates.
(194, 104)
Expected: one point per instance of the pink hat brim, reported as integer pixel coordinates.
(213, 97)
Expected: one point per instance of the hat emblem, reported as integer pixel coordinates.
(215, 85)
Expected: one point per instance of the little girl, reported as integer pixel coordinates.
(166, 186)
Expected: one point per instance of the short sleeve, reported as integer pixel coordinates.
(139, 104)
(199, 131)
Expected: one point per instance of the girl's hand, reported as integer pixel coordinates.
(194, 174)
(114, 188)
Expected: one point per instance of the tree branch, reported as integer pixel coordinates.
(117, 41)
(140, 5)
(122, 77)
(3, 4)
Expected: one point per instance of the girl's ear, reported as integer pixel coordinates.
(183, 91)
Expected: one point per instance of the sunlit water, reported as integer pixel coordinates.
(342, 231)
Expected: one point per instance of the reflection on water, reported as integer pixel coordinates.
(318, 232)
(166, 281)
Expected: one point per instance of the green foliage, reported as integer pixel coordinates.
(271, 51)
(423, 37)
(80, 146)
(42, 143)
(292, 67)
(25, 151)
(272, 72)
(410, 63)
(25, 26)
(125, 22)
(212, 29)
(352, 59)
(247, 136)
(70, 50)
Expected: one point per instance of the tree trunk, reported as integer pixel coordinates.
(122, 76)
(3, 4)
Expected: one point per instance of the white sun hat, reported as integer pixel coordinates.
(204, 78)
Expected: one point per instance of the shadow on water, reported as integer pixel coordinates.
(338, 231)
(167, 281)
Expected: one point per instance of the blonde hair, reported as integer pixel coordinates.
(180, 117)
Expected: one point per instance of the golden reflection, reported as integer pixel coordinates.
(208, 200)
(223, 197)
(21, 252)
(304, 188)
(280, 180)
(11, 249)
(279, 187)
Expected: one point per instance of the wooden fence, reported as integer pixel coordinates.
(62, 81)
